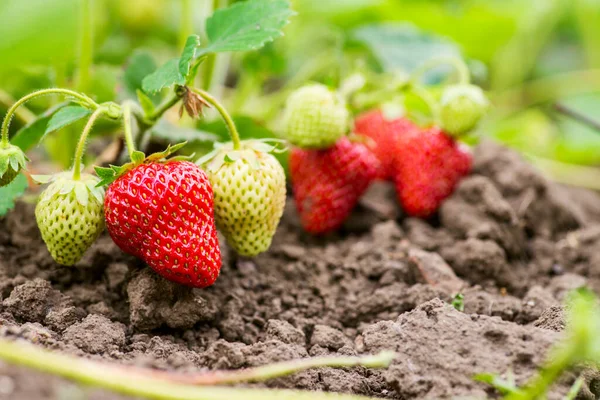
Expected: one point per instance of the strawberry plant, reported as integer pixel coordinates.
(188, 188)
(157, 208)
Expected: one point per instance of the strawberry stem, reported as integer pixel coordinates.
(85, 101)
(464, 75)
(428, 99)
(233, 132)
(272, 371)
(127, 128)
(168, 386)
(82, 141)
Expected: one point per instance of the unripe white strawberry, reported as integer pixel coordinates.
(315, 117)
(462, 107)
(249, 189)
(70, 215)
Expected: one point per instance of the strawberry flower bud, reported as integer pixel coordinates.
(462, 107)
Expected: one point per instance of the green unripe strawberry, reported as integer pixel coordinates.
(70, 215)
(12, 161)
(462, 107)
(249, 189)
(315, 117)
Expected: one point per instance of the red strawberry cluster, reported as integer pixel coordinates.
(328, 183)
(424, 164)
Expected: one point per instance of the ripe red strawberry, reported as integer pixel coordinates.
(385, 132)
(328, 183)
(163, 214)
(429, 164)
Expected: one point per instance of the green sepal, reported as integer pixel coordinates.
(137, 157)
(12, 161)
(224, 153)
(162, 155)
(114, 172)
(65, 184)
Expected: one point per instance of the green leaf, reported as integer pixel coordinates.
(9, 193)
(146, 102)
(32, 133)
(401, 46)
(173, 133)
(66, 116)
(104, 172)
(140, 65)
(247, 25)
(165, 76)
(188, 54)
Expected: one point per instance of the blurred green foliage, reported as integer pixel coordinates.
(510, 46)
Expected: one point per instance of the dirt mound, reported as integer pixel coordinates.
(511, 241)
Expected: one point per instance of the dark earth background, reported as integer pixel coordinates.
(508, 239)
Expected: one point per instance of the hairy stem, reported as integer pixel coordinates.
(428, 99)
(119, 379)
(86, 45)
(82, 141)
(464, 75)
(127, 128)
(147, 121)
(162, 108)
(233, 132)
(86, 101)
(546, 89)
(24, 114)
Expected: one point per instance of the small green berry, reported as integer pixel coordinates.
(315, 117)
(12, 161)
(70, 215)
(462, 107)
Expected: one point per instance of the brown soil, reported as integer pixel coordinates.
(512, 242)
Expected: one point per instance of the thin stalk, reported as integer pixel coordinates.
(233, 132)
(464, 75)
(277, 370)
(162, 108)
(147, 121)
(82, 141)
(86, 45)
(186, 25)
(127, 128)
(577, 116)
(546, 89)
(24, 114)
(86, 101)
(118, 379)
(428, 99)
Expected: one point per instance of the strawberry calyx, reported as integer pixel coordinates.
(113, 172)
(63, 184)
(249, 150)
(12, 161)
